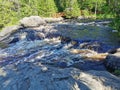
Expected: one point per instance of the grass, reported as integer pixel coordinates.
(105, 16)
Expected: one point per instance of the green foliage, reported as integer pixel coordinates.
(117, 72)
(12, 11)
(43, 8)
(116, 24)
(85, 12)
(8, 13)
(71, 9)
(46, 8)
(60, 5)
(114, 6)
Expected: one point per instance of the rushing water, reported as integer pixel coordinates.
(52, 44)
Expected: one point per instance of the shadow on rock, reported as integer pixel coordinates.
(29, 76)
(113, 61)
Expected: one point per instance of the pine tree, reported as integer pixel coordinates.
(59, 5)
(46, 8)
(71, 8)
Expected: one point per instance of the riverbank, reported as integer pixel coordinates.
(42, 55)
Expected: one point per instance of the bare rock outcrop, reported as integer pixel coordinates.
(8, 30)
(32, 21)
(42, 57)
(29, 76)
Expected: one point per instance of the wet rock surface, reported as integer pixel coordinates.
(113, 60)
(40, 58)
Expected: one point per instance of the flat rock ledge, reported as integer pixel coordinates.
(29, 76)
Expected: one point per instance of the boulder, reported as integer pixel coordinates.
(32, 21)
(113, 60)
(113, 51)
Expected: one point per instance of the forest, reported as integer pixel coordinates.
(11, 11)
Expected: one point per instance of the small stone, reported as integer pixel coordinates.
(74, 43)
(44, 69)
(2, 72)
(23, 36)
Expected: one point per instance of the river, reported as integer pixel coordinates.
(52, 44)
(58, 56)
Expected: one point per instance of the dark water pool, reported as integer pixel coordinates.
(106, 36)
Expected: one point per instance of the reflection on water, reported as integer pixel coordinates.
(91, 32)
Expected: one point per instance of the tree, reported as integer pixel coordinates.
(71, 8)
(46, 8)
(8, 13)
(59, 5)
(114, 5)
(91, 6)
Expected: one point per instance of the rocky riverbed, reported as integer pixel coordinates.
(41, 55)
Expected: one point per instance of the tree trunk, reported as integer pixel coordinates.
(96, 9)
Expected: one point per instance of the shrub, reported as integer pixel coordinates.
(71, 9)
(46, 8)
(8, 14)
